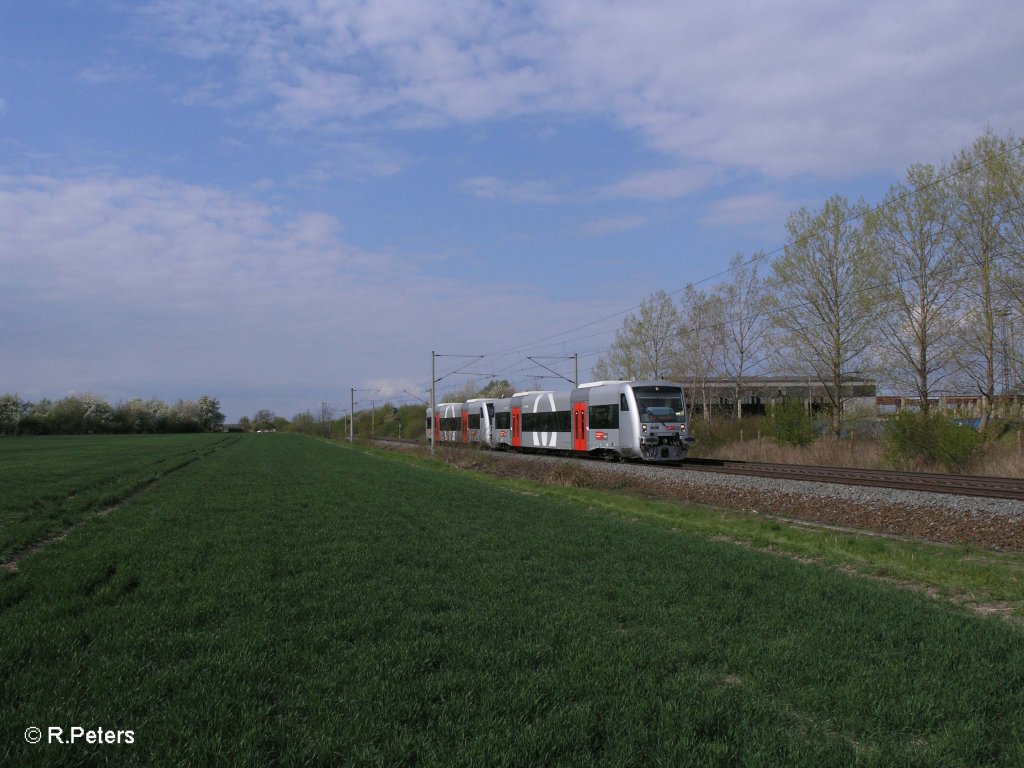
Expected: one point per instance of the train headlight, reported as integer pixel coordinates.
(643, 427)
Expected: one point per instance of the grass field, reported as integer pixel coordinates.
(49, 484)
(287, 601)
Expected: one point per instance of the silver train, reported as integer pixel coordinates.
(642, 420)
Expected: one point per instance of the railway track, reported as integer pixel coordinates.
(965, 485)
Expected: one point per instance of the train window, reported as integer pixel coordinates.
(563, 421)
(623, 405)
(474, 421)
(604, 417)
(660, 403)
(490, 413)
(502, 420)
(430, 423)
(547, 421)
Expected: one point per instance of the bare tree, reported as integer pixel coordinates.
(326, 417)
(744, 323)
(700, 342)
(921, 282)
(819, 297)
(646, 345)
(1011, 318)
(982, 223)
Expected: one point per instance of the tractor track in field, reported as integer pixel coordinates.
(13, 559)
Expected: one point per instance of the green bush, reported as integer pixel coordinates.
(792, 424)
(930, 439)
(724, 430)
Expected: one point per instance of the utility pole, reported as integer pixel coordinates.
(433, 386)
(352, 414)
(433, 399)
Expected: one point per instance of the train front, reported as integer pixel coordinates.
(663, 427)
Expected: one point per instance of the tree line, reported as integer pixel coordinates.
(92, 414)
(924, 292)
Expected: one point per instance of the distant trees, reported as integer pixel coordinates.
(210, 417)
(303, 422)
(92, 414)
(11, 411)
(496, 388)
(472, 389)
(263, 420)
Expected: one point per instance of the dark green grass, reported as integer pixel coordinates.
(285, 601)
(50, 483)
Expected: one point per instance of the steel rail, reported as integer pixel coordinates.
(965, 485)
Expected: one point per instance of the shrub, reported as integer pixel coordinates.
(931, 439)
(792, 424)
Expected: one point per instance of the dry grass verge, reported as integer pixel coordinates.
(999, 459)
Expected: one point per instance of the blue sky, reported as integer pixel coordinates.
(272, 201)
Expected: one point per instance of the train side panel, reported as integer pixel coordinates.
(448, 424)
(546, 421)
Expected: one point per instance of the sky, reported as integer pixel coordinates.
(274, 201)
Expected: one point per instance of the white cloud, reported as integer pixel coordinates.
(612, 225)
(353, 160)
(661, 185)
(492, 188)
(144, 282)
(108, 73)
(780, 88)
(757, 209)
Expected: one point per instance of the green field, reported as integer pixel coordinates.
(48, 484)
(287, 601)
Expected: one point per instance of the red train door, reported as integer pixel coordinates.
(579, 426)
(465, 426)
(517, 427)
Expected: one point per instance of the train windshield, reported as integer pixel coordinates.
(661, 404)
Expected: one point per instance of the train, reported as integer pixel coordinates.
(625, 420)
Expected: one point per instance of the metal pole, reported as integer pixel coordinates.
(576, 369)
(352, 415)
(433, 404)
(433, 400)
(373, 415)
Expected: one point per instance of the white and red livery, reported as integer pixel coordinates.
(642, 420)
